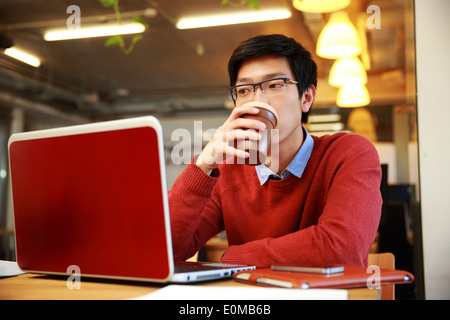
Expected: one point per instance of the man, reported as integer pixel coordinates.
(319, 205)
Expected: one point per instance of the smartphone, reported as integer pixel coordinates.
(325, 270)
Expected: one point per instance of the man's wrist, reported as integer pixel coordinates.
(205, 168)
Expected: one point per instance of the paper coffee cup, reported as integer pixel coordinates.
(259, 150)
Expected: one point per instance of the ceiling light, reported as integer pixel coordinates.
(320, 6)
(237, 18)
(346, 71)
(94, 31)
(338, 38)
(23, 56)
(353, 95)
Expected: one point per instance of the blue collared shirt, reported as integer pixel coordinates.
(297, 165)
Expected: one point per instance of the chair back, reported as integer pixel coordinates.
(385, 260)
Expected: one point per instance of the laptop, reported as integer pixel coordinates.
(93, 198)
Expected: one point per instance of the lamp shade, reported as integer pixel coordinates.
(353, 95)
(320, 6)
(347, 71)
(339, 38)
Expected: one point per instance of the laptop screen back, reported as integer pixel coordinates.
(94, 200)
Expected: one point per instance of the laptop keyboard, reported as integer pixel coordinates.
(190, 268)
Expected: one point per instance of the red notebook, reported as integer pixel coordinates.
(351, 277)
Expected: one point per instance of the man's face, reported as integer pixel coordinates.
(289, 105)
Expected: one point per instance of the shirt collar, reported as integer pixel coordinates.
(295, 167)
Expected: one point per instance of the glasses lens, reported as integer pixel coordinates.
(274, 87)
(242, 92)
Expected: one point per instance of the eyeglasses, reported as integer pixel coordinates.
(269, 87)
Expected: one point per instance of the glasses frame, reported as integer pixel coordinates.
(259, 84)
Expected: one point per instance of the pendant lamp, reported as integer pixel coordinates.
(339, 38)
(347, 71)
(353, 95)
(320, 6)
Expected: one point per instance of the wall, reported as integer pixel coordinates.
(433, 96)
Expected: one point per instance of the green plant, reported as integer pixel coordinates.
(255, 4)
(118, 39)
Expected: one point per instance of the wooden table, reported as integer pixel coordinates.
(43, 287)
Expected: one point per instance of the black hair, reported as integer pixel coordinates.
(302, 65)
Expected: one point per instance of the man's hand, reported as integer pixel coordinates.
(221, 146)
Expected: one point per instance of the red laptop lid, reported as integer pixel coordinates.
(93, 196)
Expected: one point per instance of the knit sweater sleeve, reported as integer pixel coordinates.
(194, 212)
(340, 217)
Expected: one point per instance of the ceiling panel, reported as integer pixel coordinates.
(165, 73)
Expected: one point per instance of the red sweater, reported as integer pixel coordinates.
(330, 215)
